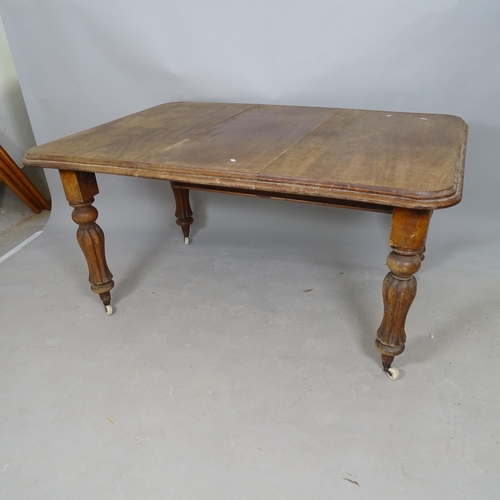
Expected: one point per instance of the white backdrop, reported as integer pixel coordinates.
(15, 129)
(83, 63)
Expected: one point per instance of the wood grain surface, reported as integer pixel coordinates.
(396, 159)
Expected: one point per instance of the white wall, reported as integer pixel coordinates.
(16, 135)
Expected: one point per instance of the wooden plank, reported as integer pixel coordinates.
(12, 182)
(394, 154)
(132, 140)
(22, 184)
(244, 144)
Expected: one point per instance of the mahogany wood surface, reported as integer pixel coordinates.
(407, 164)
(398, 159)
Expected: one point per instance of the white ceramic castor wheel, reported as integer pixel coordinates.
(392, 373)
(186, 240)
(109, 310)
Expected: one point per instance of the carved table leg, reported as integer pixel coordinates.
(80, 189)
(407, 239)
(183, 210)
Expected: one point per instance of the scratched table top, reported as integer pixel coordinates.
(397, 159)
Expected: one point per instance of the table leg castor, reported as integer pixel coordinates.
(80, 189)
(183, 210)
(407, 239)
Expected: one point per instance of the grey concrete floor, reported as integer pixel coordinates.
(242, 366)
(17, 220)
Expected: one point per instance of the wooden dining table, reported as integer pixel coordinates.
(404, 164)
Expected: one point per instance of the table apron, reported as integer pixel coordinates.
(314, 200)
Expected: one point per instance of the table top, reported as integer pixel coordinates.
(398, 159)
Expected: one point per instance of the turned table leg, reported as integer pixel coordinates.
(183, 210)
(407, 239)
(80, 189)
